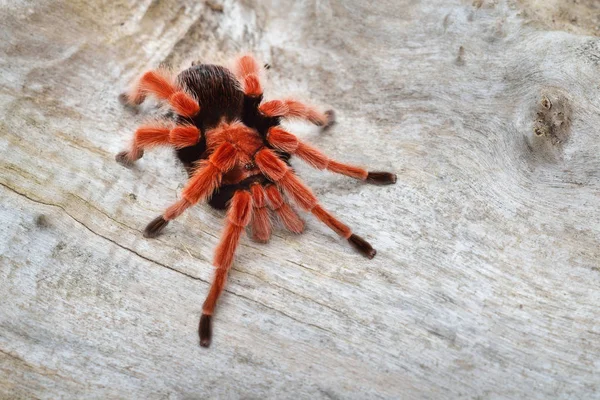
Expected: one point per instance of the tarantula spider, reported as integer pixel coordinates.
(237, 157)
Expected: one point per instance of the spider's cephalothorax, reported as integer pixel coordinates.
(237, 156)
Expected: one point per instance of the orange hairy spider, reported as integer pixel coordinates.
(237, 157)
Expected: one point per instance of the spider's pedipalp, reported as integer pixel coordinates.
(238, 217)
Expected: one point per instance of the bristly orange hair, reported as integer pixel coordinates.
(208, 176)
(248, 70)
(161, 84)
(286, 215)
(261, 224)
(237, 154)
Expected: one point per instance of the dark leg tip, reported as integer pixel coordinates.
(123, 159)
(381, 178)
(124, 99)
(205, 330)
(127, 103)
(362, 245)
(330, 114)
(154, 228)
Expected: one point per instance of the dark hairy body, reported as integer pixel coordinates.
(237, 157)
(221, 96)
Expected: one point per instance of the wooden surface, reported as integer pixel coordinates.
(487, 279)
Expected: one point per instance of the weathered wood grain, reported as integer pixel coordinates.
(486, 283)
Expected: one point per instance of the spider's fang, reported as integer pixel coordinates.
(154, 228)
(381, 178)
(362, 245)
(205, 330)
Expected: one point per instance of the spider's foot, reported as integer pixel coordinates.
(154, 228)
(205, 330)
(124, 158)
(124, 100)
(362, 245)
(330, 114)
(128, 104)
(381, 178)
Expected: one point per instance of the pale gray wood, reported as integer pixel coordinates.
(486, 282)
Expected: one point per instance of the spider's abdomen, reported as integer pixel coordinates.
(218, 93)
(220, 98)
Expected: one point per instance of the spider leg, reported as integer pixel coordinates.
(282, 175)
(200, 186)
(162, 85)
(238, 217)
(247, 70)
(153, 135)
(296, 109)
(261, 223)
(286, 214)
(289, 143)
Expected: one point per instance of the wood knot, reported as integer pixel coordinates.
(553, 117)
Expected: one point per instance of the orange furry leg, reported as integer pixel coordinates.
(283, 177)
(148, 136)
(184, 135)
(238, 217)
(208, 177)
(247, 70)
(284, 212)
(296, 109)
(289, 143)
(202, 184)
(155, 227)
(144, 137)
(261, 224)
(246, 65)
(162, 84)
